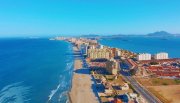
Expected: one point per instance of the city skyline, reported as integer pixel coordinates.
(47, 18)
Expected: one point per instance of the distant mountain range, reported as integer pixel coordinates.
(160, 34)
(90, 35)
(155, 34)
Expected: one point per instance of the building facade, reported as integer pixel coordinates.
(144, 56)
(112, 67)
(161, 56)
(99, 53)
(84, 49)
(118, 53)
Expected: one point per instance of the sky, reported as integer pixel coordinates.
(73, 17)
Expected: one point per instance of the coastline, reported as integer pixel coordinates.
(81, 85)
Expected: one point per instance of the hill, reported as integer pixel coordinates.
(160, 34)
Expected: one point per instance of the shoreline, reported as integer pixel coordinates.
(76, 94)
(81, 83)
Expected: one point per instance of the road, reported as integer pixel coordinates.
(148, 96)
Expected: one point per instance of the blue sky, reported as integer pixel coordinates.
(42, 17)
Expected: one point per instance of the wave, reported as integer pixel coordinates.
(61, 86)
(63, 97)
(53, 92)
(60, 93)
(15, 93)
(69, 66)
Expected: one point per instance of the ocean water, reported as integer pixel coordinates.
(142, 44)
(35, 71)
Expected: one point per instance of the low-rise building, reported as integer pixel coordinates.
(125, 86)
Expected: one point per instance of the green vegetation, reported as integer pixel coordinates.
(164, 83)
(97, 76)
(158, 81)
(177, 81)
(153, 63)
(109, 77)
(132, 72)
(130, 86)
(155, 82)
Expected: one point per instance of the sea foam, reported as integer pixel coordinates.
(64, 83)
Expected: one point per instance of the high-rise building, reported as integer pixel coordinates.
(100, 46)
(113, 52)
(144, 56)
(112, 67)
(118, 52)
(99, 53)
(84, 49)
(161, 55)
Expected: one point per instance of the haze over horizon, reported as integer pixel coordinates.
(72, 17)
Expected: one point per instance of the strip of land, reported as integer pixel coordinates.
(81, 91)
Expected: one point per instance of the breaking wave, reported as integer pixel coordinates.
(60, 93)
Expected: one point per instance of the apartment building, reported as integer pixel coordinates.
(144, 56)
(94, 53)
(161, 55)
(112, 67)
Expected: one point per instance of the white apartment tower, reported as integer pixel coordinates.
(161, 55)
(118, 53)
(144, 56)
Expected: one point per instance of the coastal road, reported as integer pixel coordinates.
(150, 98)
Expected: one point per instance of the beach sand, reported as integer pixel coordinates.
(81, 91)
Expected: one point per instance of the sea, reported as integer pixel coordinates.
(146, 44)
(39, 70)
(35, 70)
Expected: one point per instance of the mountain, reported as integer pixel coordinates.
(177, 35)
(160, 34)
(90, 35)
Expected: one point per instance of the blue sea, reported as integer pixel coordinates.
(143, 44)
(35, 70)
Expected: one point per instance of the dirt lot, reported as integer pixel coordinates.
(167, 90)
(157, 81)
(170, 93)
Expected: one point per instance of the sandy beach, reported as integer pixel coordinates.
(81, 91)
